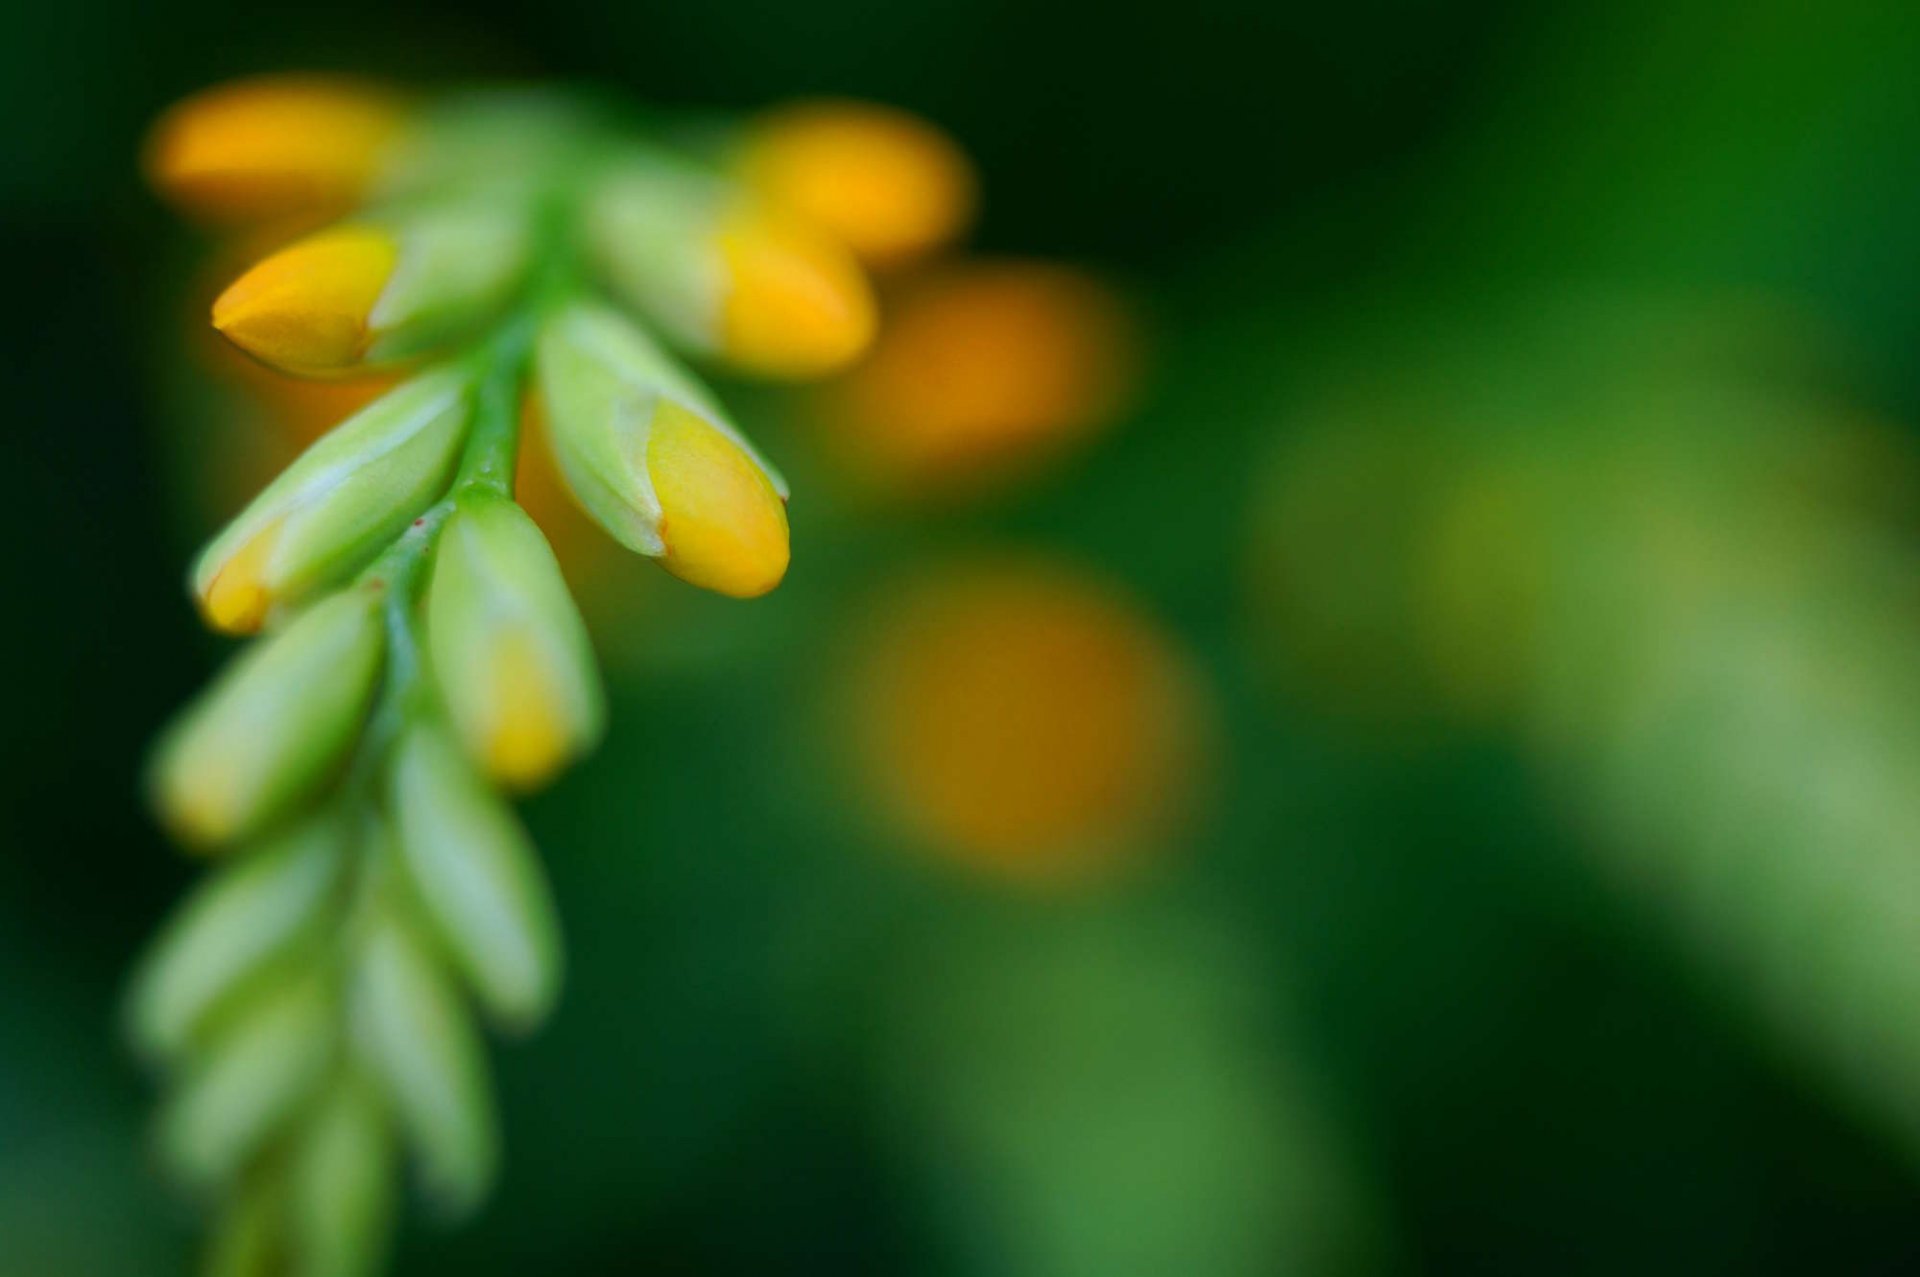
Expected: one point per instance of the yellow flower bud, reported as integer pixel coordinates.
(306, 309)
(274, 728)
(648, 455)
(331, 510)
(367, 292)
(723, 525)
(887, 184)
(731, 278)
(793, 303)
(273, 146)
(508, 645)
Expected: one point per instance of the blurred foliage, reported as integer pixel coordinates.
(1524, 470)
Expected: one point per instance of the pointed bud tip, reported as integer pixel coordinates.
(305, 308)
(236, 600)
(723, 522)
(796, 304)
(888, 184)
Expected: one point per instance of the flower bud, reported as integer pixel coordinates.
(275, 726)
(477, 878)
(508, 645)
(731, 277)
(648, 454)
(273, 146)
(371, 291)
(419, 1041)
(343, 1182)
(250, 1083)
(887, 184)
(246, 1237)
(228, 933)
(340, 503)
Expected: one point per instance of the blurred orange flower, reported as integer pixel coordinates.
(1026, 719)
(984, 371)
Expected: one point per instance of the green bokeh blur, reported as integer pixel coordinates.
(1525, 466)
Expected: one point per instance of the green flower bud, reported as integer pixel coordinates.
(650, 456)
(508, 645)
(246, 1241)
(232, 929)
(419, 1041)
(343, 1173)
(274, 727)
(346, 498)
(376, 290)
(477, 878)
(252, 1080)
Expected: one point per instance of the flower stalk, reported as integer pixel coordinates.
(314, 1010)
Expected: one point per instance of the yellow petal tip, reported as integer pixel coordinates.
(796, 303)
(236, 599)
(887, 184)
(305, 308)
(527, 742)
(723, 523)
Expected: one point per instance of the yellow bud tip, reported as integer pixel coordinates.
(796, 303)
(305, 308)
(527, 742)
(724, 525)
(272, 146)
(887, 184)
(195, 806)
(236, 600)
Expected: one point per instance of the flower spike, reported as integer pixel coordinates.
(316, 1010)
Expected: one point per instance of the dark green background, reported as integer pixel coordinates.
(1526, 1075)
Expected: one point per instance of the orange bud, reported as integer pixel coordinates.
(272, 146)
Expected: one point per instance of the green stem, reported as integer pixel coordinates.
(493, 446)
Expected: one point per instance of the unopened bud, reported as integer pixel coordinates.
(273, 146)
(420, 1042)
(373, 291)
(731, 277)
(889, 185)
(508, 645)
(330, 511)
(275, 727)
(229, 933)
(479, 880)
(652, 459)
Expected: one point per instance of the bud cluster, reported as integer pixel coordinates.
(315, 1007)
